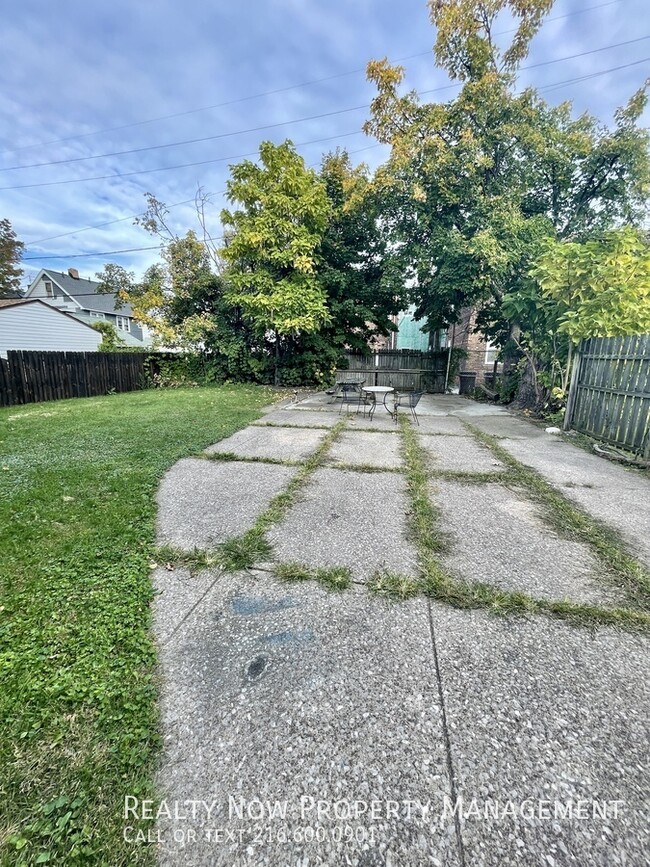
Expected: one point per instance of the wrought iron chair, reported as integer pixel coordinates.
(351, 393)
(410, 399)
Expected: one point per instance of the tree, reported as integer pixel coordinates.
(600, 288)
(183, 302)
(271, 251)
(11, 251)
(354, 266)
(110, 340)
(474, 185)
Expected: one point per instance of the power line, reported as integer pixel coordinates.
(88, 255)
(139, 249)
(118, 175)
(102, 225)
(268, 92)
(590, 75)
(203, 139)
(186, 141)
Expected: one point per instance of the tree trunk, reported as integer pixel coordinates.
(276, 377)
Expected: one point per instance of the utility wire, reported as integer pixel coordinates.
(269, 92)
(86, 255)
(118, 175)
(138, 249)
(203, 139)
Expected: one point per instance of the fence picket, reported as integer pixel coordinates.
(610, 391)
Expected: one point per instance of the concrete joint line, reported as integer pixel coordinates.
(445, 730)
(171, 635)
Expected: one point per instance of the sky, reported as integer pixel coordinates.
(82, 82)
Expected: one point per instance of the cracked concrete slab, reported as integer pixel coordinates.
(460, 454)
(202, 502)
(540, 712)
(347, 518)
(499, 538)
(292, 694)
(367, 448)
(611, 493)
(177, 592)
(300, 418)
(293, 444)
(441, 424)
(508, 425)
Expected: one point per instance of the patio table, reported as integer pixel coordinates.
(378, 392)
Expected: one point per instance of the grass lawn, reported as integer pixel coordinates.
(78, 718)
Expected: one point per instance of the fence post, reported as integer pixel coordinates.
(573, 388)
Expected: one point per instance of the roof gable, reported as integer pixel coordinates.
(84, 292)
(11, 302)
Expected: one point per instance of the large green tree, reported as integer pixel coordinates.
(11, 251)
(273, 234)
(473, 185)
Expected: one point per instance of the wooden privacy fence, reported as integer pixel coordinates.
(404, 369)
(609, 397)
(27, 377)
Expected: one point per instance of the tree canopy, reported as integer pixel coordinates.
(11, 251)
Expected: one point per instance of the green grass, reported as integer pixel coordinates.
(332, 577)
(243, 552)
(438, 583)
(393, 585)
(78, 720)
(571, 522)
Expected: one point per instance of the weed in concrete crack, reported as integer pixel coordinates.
(469, 478)
(363, 468)
(393, 585)
(245, 459)
(195, 559)
(438, 583)
(242, 552)
(292, 572)
(332, 577)
(571, 522)
(423, 515)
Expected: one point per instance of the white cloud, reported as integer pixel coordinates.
(74, 68)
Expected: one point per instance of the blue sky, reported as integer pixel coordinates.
(80, 79)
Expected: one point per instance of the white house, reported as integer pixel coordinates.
(81, 298)
(28, 323)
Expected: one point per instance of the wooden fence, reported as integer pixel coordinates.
(609, 397)
(27, 377)
(404, 369)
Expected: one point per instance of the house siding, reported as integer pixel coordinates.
(39, 327)
(88, 300)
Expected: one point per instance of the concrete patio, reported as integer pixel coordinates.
(421, 729)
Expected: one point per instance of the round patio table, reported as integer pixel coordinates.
(378, 392)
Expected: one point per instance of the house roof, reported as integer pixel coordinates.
(14, 302)
(86, 295)
(9, 302)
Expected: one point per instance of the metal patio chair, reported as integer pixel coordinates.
(351, 393)
(410, 399)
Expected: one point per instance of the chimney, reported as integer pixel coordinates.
(73, 273)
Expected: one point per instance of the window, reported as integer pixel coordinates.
(48, 289)
(491, 352)
(123, 323)
(94, 315)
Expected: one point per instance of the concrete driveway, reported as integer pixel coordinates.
(308, 726)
